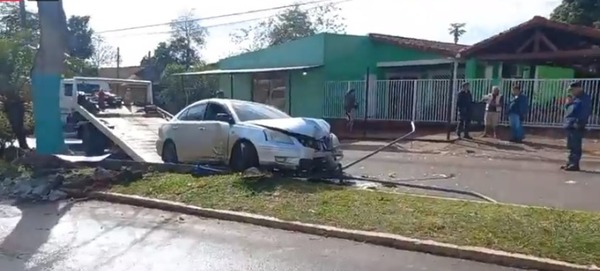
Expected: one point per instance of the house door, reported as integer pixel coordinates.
(401, 95)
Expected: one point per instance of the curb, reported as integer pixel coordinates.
(389, 240)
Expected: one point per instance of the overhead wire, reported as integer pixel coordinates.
(214, 17)
(204, 27)
(225, 23)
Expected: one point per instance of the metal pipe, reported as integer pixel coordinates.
(424, 187)
(412, 125)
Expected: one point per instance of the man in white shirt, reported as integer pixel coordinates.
(493, 108)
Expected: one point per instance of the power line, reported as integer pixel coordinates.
(225, 24)
(214, 17)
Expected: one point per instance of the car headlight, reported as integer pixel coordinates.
(279, 137)
(335, 142)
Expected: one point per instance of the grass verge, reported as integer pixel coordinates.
(570, 236)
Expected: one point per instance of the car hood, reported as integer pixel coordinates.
(315, 128)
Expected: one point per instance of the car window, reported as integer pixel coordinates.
(247, 111)
(194, 113)
(213, 109)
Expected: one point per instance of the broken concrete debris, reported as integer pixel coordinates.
(53, 185)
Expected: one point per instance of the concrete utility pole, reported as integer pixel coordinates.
(118, 62)
(22, 14)
(46, 77)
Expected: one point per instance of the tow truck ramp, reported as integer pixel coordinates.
(135, 133)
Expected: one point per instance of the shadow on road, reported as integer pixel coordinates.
(32, 231)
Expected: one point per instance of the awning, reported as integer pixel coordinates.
(277, 69)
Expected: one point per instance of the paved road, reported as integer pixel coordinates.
(99, 236)
(522, 182)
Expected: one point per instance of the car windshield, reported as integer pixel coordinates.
(255, 111)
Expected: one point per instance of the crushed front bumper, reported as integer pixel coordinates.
(297, 158)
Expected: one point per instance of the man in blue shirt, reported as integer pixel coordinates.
(578, 109)
(517, 110)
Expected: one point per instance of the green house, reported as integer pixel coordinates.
(293, 76)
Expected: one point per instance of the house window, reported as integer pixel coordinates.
(270, 88)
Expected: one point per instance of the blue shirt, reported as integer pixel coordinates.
(578, 111)
(518, 105)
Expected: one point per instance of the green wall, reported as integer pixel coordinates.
(344, 57)
(348, 57)
(307, 51)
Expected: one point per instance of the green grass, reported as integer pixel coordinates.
(571, 236)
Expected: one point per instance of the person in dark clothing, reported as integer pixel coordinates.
(219, 94)
(517, 110)
(464, 104)
(350, 105)
(578, 109)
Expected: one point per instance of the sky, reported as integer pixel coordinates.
(425, 19)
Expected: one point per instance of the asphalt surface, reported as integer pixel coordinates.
(521, 182)
(99, 236)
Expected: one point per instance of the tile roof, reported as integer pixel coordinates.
(445, 48)
(124, 72)
(535, 22)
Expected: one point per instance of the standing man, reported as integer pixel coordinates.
(464, 105)
(578, 109)
(219, 94)
(517, 110)
(350, 105)
(493, 108)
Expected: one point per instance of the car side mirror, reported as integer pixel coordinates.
(224, 117)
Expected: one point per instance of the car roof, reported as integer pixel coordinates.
(227, 101)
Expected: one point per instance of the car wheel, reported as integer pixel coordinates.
(243, 156)
(169, 153)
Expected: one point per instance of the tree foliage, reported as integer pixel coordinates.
(15, 65)
(188, 37)
(457, 30)
(177, 93)
(579, 12)
(80, 36)
(180, 53)
(290, 24)
(103, 54)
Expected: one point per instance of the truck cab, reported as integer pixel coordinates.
(69, 95)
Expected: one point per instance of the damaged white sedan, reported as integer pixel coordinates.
(244, 134)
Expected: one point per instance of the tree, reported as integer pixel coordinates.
(177, 93)
(188, 37)
(15, 62)
(457, 30)
(290, 24)
(102, 54)
(10, 24)
(80, 37)
(579, 12)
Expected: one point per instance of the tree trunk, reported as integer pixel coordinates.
(15, 113)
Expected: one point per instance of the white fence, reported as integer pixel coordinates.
(429, 100)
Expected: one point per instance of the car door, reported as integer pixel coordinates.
(188, 132)
(215, 140)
